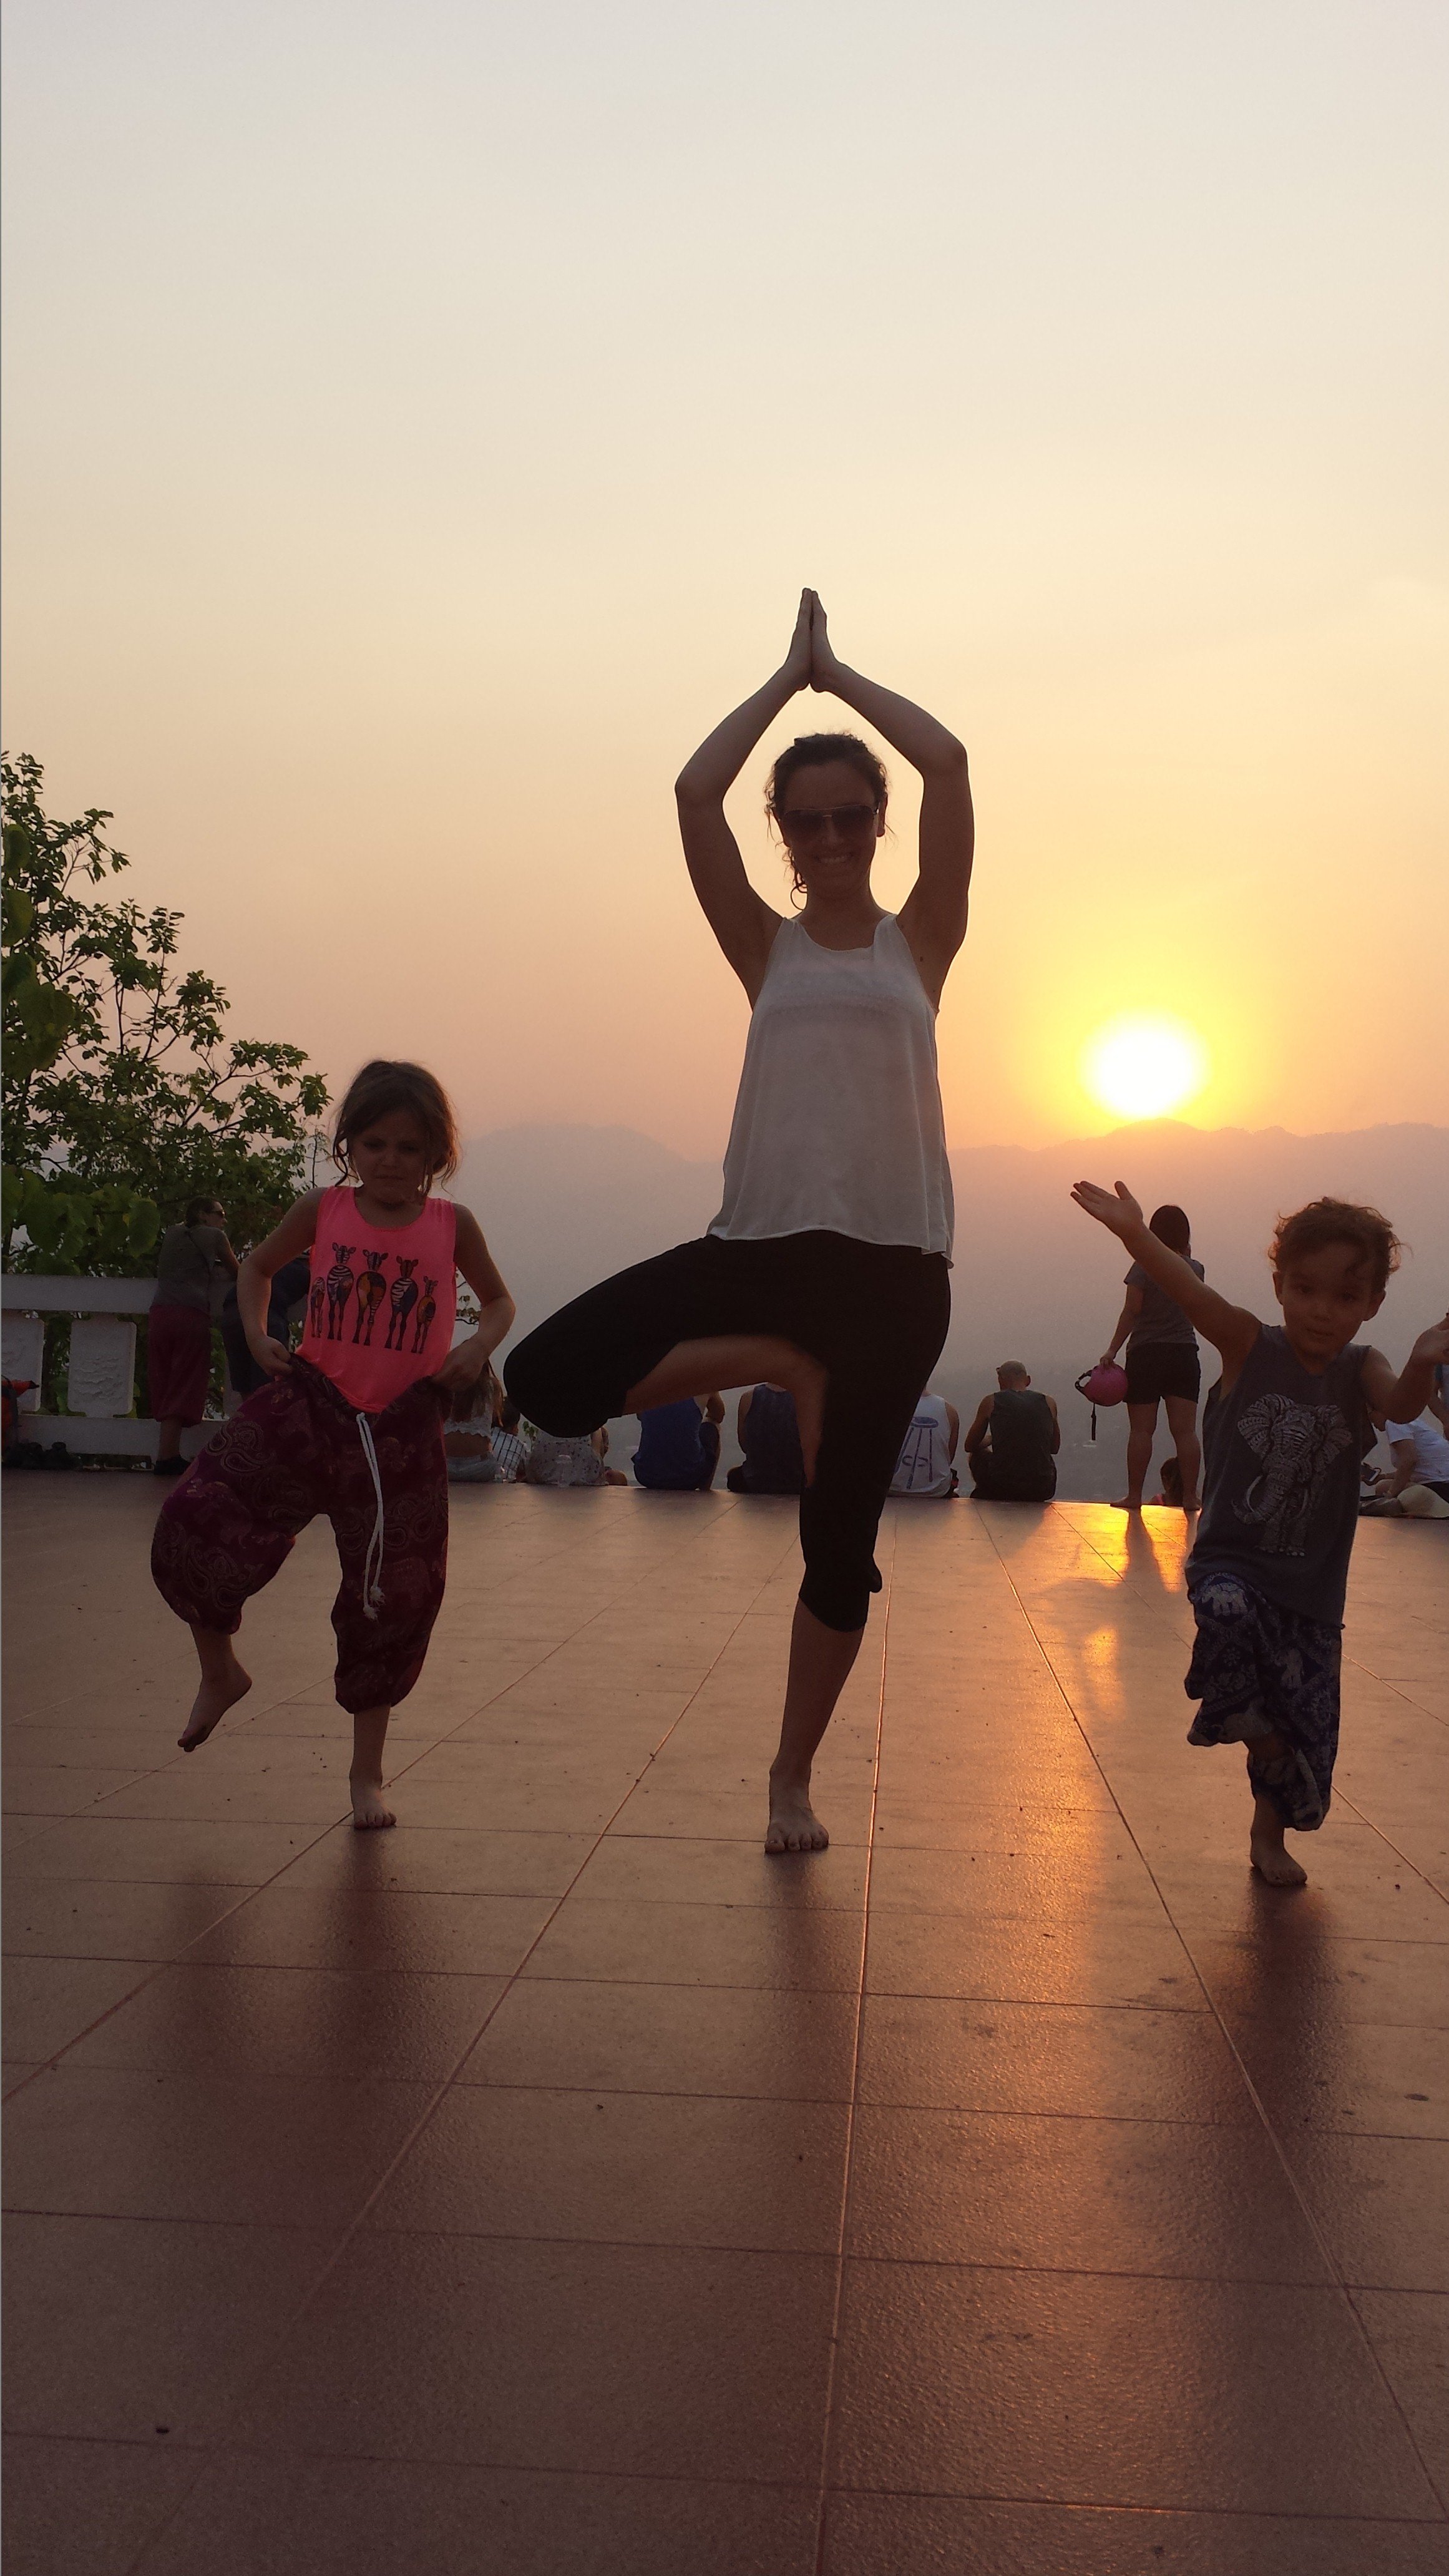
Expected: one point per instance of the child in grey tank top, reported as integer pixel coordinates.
(1283, 1435)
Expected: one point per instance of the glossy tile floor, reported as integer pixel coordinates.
(554, 2187)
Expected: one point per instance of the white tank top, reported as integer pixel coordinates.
(924, 1465)
(838, 1120)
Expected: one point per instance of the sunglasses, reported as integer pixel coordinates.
(807, 822)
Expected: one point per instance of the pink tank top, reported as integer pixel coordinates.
(383, 1299)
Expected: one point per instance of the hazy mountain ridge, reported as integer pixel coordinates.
(1034, 1279)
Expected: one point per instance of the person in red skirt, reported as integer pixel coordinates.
(350, 1425)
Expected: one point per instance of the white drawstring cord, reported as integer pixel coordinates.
(372, 1594)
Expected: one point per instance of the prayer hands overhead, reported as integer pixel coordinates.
(798, 659)
(1118, 1213)
(824, 668)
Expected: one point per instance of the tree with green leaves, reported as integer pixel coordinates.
(123, 1094)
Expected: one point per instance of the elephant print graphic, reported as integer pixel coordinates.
(1297, 1444)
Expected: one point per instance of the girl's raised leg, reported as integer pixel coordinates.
(223, 1682)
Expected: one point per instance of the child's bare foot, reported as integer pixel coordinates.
(794, 1825)
(369, 1815)
(1273, 1862)
(219, 1691)
(1266, 1848)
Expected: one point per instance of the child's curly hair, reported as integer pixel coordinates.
(384, 1085)
(1326, 1221)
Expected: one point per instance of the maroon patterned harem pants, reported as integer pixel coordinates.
(292, 1450)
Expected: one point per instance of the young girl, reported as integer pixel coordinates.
(826, 1271)
(351, 1426)
(1285, 1430)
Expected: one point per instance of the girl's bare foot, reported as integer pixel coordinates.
(220, 1690)
(369, 1815)
(794, 1825)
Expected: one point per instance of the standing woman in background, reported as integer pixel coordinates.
(178, 1326)
(826, 1270)
(1162, 1367)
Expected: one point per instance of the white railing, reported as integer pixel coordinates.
(102, 1376)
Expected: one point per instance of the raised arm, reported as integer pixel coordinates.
(1404, 1398)
(1230, 1329)
(742, 921)
(933, 916)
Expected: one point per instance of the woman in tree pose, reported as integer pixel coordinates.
(826, 1270)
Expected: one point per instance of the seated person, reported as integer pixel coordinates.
(678, 1448)
(507, 1446)
(557, 1461)
(468, 1433)
(1171, 1473)
(1012, 1444)
(288, 1290)
(770, 1438)
(1418, 1455)
(924, 1466)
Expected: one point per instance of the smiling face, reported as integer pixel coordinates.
(830, 824)
(390, 1157)
(1325, 1296)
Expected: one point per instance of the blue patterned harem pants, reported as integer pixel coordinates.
(1260, 1670)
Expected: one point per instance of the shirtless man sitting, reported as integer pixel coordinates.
(1012, 1443)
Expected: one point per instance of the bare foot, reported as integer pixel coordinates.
(369, 1815)
(218, 1693)
(794, 1825)
(1129, 1503)
(1272, 1862)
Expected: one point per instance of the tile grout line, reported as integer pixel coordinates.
(46, 2065)
(838, 2300)
(1336, 2277)
(213, 2449)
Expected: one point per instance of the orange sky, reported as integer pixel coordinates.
(422, 422)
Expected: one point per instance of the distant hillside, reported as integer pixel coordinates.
(1034, 1279)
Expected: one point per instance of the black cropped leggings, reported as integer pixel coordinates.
(874, 1315)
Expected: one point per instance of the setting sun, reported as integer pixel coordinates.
(1143, 1065)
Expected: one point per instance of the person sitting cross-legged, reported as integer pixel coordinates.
(924, 1467)
(678, 1448)
(1012, 1443)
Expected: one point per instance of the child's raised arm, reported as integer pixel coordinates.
(296, 1234)
(1403, 1398)
(464, 1365)
(1230, 1329)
